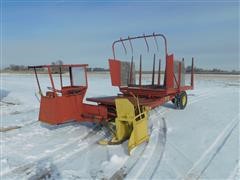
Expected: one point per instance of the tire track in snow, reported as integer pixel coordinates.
(207, 157)
(129, 164)
(155, 146)
(39, 129)
(235, 174)
(162, 147)
(57, 155)
(193, 100)
(201, 97)
(19, 118)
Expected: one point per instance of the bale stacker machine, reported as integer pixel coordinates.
(127, 112)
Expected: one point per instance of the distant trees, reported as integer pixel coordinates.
(188, 69)
(14, 67)
(58, 62)
(57, 68)
(200, 70)
(97, 69)
(54, 69)
(196, 70)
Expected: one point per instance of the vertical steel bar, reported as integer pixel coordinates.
(60, 74)
(155, 39)
(125, 50)
(130, 42)
(39, 87)
(192, 74)
(51, 79)
(70, 74)
(113, 50)
(85, 70)
(159, 72)
(179, 75)
(153, 72)
(140, 71)
(145, 38)
(131, 70)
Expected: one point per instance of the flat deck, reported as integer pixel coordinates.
(150, 102)
(155, 92)
(106, 100)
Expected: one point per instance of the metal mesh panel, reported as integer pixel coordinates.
(78, 76)
(176, 70)
(125, 73)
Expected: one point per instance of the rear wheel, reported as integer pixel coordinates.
(182, 101)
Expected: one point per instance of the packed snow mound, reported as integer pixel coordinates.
(115, 159)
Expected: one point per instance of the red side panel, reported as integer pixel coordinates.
(115, 72)
(57, 110)
(169, 73)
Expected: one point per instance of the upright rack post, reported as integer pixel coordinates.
(153, 72)
(159, 72)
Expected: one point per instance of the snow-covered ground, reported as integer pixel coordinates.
(200, 142)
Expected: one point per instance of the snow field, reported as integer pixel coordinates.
(201, 141)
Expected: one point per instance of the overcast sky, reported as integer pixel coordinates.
(40, 32)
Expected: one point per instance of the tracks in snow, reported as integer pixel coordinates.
(147, 163)
(56, 156)
(199, 167)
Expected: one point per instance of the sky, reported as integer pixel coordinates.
(75, 31)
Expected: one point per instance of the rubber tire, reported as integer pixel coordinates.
(182, 103)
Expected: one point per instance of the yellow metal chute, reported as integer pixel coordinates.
(131, 123)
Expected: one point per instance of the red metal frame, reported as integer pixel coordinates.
(66, 104)
(149, 95)
(155, 93)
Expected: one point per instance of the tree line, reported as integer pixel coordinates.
(214, 70)
(19, 68)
